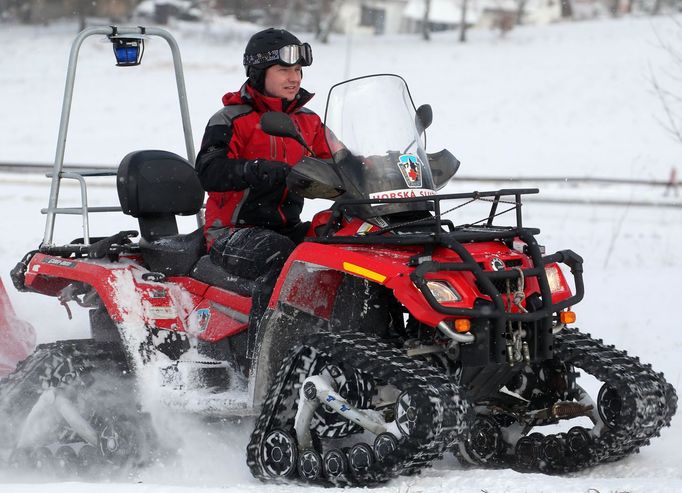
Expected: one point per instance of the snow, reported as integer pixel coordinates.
(571, 100)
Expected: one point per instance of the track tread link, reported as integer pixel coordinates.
(443, 411)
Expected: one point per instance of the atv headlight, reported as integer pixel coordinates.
(443, 292)
(554, 278)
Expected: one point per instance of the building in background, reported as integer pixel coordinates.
(43, 11)
(444, 15)
(407, 16)
(377, 17)
(340, 16)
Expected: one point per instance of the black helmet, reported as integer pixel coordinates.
(273, 47)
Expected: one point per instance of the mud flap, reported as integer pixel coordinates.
(17, 337)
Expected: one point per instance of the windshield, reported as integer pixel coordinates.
(376, 143)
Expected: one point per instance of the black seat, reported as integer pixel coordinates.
(155, 186)
(174, 255)
(205, 270)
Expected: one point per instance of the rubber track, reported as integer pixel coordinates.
(443, 411)
(648, 402)
(54, 364)
(59, 364)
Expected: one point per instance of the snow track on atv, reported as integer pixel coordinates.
(648, 401)
(94, 378)
(442, 413)
(643, 402)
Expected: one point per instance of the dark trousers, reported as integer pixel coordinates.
(257, 254)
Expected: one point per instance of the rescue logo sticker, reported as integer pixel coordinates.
(204, 315)
(411, 168)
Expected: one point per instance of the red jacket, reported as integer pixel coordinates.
(232, 137)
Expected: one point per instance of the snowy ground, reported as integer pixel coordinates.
(567, 100)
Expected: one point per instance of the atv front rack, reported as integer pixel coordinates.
(342, 207)
(433, 234)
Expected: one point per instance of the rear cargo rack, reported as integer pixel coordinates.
(84, 210)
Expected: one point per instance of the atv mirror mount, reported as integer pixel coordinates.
(424, 117)
(279, 124)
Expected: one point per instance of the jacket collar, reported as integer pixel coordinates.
(263, 103)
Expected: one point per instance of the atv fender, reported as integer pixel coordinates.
(17, 337)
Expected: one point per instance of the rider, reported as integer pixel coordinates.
(252, 219)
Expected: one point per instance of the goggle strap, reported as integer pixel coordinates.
(304, 54)
(256, 58)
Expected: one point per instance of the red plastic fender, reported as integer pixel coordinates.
(17, 337)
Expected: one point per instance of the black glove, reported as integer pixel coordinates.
(262, 172)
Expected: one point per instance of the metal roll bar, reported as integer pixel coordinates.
(57, 171)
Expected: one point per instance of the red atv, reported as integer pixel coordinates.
(394, 334)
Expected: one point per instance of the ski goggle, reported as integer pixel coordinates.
(286, 55)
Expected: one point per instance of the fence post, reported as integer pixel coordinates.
(672, 184)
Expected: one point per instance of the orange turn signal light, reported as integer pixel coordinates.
(462, 325)
(567, 317)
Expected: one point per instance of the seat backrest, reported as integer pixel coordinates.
(155, 186)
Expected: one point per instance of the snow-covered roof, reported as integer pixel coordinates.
(449, 11)
(445, 11)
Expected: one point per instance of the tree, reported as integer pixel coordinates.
(566, 9)
(328, 18)
(671, 101)
(426, 26)
(505, 21)
(291, 8)
(463, 22)
(614, 7)
(520, 11)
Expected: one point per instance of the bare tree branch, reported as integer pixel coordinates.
(666, 46)
(671, 126)
(667, 94)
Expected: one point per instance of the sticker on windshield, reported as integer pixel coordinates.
(402, 194)
(411, 168)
